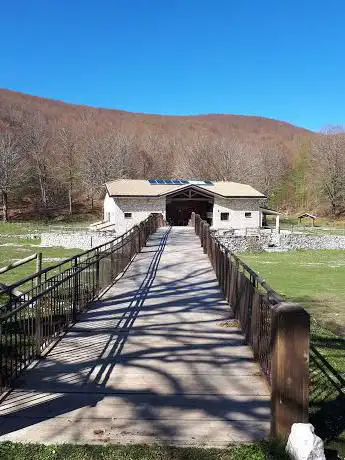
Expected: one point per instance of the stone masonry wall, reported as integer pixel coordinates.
(78, 240)
(282, 242)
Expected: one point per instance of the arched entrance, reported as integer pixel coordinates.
(181, 204)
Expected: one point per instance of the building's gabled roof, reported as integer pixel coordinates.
(136, 188)
(306, 215)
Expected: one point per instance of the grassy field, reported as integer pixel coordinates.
(12, 249)
(21, 228)
(259, 451)
(322, 225)
(316, 279)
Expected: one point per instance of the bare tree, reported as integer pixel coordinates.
(36, 138)
(68, 167)
(105, 157)
(11, 163)
(271, 166)
(328, 162)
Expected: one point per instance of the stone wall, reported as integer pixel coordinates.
(282, 242)
(78, 240)
(26, 236)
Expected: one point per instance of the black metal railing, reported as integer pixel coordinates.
(35, 309)
(277, 332)
(327, 397)
(250, 297)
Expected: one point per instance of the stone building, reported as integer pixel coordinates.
(225, 205)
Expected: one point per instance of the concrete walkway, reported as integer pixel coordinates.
(152, 362)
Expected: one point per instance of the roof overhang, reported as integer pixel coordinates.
(200, 190)
(269, 212)
(311, 216)
(160, 192)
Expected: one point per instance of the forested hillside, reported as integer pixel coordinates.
(54, 157)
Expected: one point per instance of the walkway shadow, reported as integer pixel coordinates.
(184, 366)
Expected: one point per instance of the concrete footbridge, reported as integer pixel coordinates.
(159, 357)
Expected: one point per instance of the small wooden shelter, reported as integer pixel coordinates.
(308, 216)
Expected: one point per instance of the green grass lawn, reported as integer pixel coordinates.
(259, 451)
(316, 279)
(322, 225)
(12, 249)
(20, 228)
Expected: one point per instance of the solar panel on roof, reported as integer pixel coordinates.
(178, 182)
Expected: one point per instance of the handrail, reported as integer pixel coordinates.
(53, 267)
(32, 319)
(277, 332)
(18, 263)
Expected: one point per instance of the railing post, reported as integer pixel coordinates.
(97, 273)
(38, 304)
(75, 290)
(137, 239)
(213, 252)
(225, 273)
(112, 262)
(290, 367)
(192, 219)
(221, 269)
(201, 233)
(216, 259)
(206, 231)
(228, 276)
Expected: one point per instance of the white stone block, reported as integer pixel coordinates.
(303, 444)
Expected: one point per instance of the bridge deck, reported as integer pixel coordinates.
(151, 362)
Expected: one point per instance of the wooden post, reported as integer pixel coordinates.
(206, 238)
(137, 239)
(225, 275)
(213, 253)
(192, 219)
(217, 260)
(112, 262)
(290, 367)
(39, 267)
(228, 276)
(38, 304)
(223, 272)
(209, 242)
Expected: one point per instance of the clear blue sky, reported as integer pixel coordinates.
(283, 59)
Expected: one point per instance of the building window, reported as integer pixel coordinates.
(128, 215)
(247, 214)
(224, 216)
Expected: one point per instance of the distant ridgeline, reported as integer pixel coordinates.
(58, 155)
